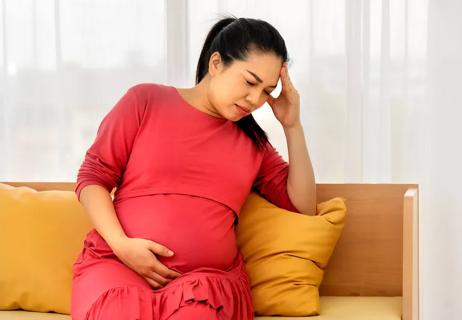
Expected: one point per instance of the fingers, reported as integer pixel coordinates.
(160, 249)
(157, 281)
(153, 283)
(158, 278)
(159, 267)
(287, 84)
(165, 272)
(285, 79)
(174, 274)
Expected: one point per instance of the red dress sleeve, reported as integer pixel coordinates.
(271, 180)
(107, 157)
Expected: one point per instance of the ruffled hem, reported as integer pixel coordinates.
(123, 302)
(228, 292)
(230, 297)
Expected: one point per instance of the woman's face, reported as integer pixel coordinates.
(245, 83)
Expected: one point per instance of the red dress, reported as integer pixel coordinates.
(182, 176)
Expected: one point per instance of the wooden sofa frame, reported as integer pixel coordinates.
(378, 252)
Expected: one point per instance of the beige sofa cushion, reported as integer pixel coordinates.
(353, 308)
(332, 308)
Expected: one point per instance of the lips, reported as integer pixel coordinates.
(245, 109)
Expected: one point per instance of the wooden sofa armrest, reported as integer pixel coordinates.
(377, 253)
(411, 255)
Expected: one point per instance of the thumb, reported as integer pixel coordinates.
(160, 249)
(271, 100)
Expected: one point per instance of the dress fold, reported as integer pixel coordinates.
(227, 292)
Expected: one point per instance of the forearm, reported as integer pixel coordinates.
(98, 204)
(301, 184)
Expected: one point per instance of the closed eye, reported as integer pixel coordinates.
(253, 84)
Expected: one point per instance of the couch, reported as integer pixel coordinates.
(373, 272)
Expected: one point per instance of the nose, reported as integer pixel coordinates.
(254, 99)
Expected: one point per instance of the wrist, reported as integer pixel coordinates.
(296, 125)
(116, 240)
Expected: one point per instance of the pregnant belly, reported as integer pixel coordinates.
(199, 231)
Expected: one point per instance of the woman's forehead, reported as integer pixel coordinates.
(266, 67)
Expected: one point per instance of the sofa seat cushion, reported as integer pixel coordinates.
(332, 308)
(30, 315)
(352, 308)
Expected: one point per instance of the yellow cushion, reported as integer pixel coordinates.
(286, 253)
(41, 236)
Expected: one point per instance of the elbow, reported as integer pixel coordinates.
(93, 172)
(305, 202)
(311, 211)
(308, 209)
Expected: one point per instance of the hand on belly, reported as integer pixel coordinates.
(195, 250)
(200, 232)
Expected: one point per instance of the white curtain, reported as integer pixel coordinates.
(379, 82)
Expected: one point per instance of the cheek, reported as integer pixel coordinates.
(229, 94)
(218, 97)
(238, 91)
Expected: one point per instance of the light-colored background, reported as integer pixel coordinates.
(379, 82)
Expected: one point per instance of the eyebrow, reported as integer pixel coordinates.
(258, 78)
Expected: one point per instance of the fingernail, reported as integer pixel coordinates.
(170, 252)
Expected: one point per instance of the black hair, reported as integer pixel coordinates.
(234, 38)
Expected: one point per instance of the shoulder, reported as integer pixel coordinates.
(150, 98)
(147, 91)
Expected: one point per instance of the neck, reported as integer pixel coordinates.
(199, 97)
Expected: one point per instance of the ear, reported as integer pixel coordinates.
(215, 64)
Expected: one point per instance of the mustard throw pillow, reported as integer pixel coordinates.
(41, 234)
(286, 253)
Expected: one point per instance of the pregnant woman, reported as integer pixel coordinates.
(184, 162)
